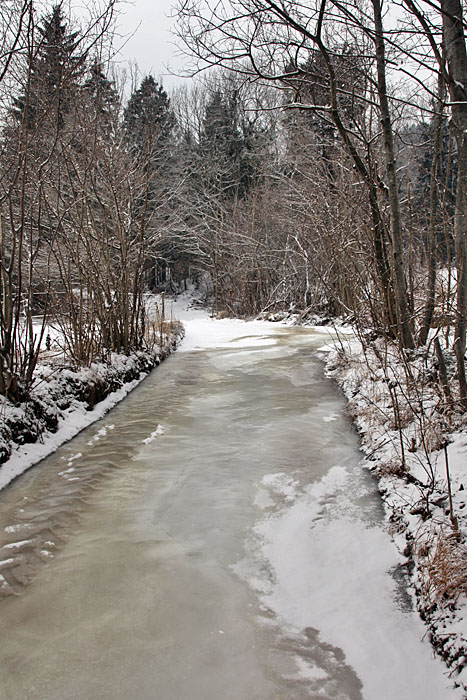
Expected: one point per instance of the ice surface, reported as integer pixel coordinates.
(331, 571)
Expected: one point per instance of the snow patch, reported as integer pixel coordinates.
(154, 435)
(17, 545)
(331, 417)
(6, 562)
(317, 564)
(281, 484)
(100, 434)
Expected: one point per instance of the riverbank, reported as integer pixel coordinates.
(421, 474)
(65, 400)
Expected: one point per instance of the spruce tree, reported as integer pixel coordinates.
(228, 146)
(148, 117)
(54, 69)
(101, 94)
(148, 125)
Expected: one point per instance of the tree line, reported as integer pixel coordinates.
(372, 206)
(319, 165)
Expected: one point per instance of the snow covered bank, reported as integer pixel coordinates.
(64, 401)
(421, 470)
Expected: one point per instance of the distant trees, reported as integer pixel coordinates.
(148, 128)
(223, 155)
(229, 138)
(54, 67)
(335, 63)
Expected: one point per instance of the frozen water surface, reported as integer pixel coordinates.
(213, 538)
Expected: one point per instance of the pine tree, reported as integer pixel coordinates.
(101, 94)
(148, 118)
(54, 69)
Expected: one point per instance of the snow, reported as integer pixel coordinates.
(203, 332)
(281, 483)
(329, 419)
(154, 435)
(100, 434)
(76, 419)
(17, 545)
(330, 572)
(6, 562)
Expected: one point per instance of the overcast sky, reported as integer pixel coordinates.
(151, 44)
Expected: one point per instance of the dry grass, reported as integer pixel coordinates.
(391, 467)
(432, 434)
(443, 565)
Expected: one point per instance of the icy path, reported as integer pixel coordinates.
(212, 538)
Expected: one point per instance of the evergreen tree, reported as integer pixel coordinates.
(148, 126)
(148, 117)
(55, 67)
(229, 142)
(101, 94)
(309, 84)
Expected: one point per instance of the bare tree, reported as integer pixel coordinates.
(456, 53)
(31, 158)
(278, 40)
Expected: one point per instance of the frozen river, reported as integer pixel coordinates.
(212, 538)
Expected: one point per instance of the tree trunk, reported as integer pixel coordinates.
(434, 214)
(454, 40)
(399, 281)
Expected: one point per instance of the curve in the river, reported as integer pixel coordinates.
(213, 537)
